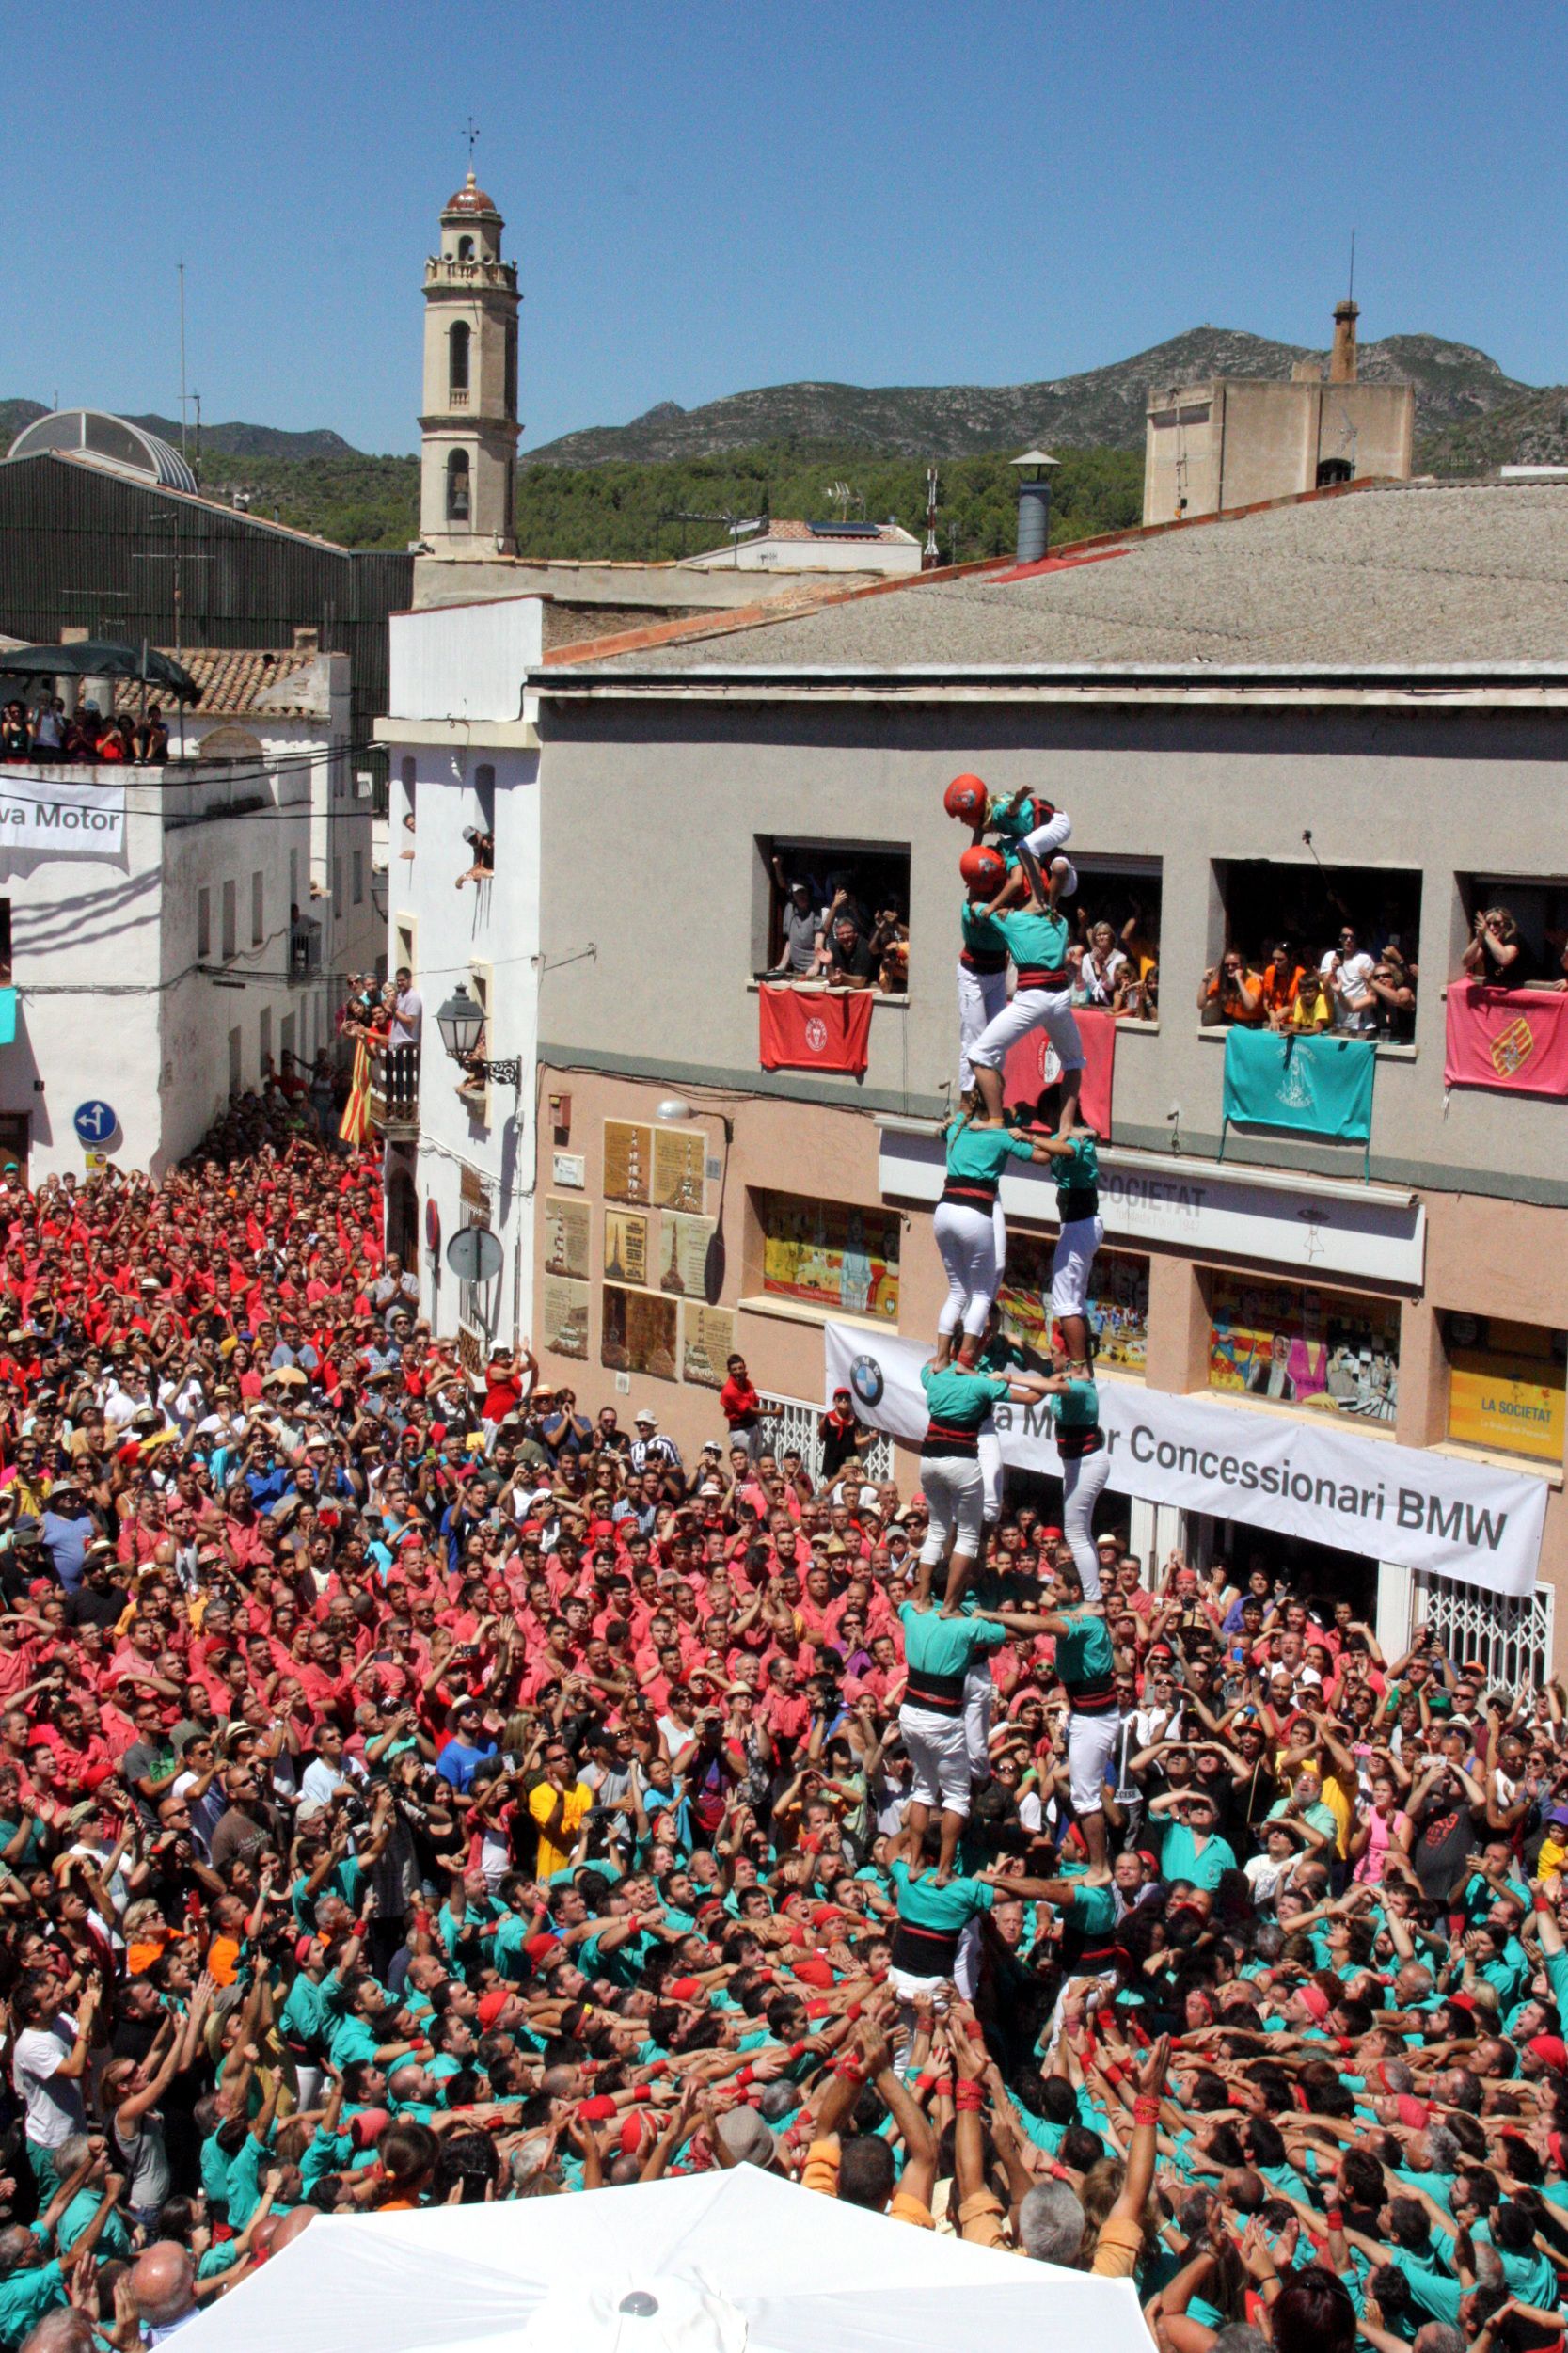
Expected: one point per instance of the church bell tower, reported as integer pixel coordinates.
(468, 425)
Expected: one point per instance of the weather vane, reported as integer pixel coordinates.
(473, 134)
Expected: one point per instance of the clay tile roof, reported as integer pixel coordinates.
(233, 682)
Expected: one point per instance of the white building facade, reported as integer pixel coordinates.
(290, 712)
(145, 915)
(464, 760)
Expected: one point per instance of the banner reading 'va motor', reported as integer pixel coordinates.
(1306, 1477)
(70, 820)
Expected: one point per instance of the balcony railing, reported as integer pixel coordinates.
(305, 949)
(395, 1093)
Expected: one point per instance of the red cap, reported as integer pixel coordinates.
(1551, 2050)
(1316, 2001)
(490, 2007)
(983, 868)
(368, 2127)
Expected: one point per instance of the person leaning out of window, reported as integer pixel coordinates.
(1230, 993)
(1497, 954)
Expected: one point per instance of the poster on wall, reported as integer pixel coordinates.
(638, 1332)
(683, 1254)
(627, 1161)
(1118, 1302)
(566, 1237)
(678, 1156)
(707, 1342)
(830, 1256)
(1330, 1349)
(566, 1306)
(1506, 1386)
(626, 1247)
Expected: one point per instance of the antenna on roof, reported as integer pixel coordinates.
(931, 555)
(181, 358)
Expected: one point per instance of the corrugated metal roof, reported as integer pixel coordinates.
(74, 544)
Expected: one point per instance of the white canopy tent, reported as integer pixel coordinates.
(715, 2263)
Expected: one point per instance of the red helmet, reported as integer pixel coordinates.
(966, 797)
(983, 868)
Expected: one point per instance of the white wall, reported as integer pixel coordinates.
(878, 557)
(464, 661)
(493, 926)
(108, 1007)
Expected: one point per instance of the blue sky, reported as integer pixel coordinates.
(703, 198)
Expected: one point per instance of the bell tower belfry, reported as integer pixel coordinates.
(468, 424)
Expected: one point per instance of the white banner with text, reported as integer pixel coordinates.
(1304, 1476)
(69, 820)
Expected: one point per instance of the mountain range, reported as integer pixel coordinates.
(1459, 390)
(1102, 409)
(233, 440)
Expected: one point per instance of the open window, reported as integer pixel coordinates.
(457, 486)
(1527, 914)
(1344, 944)
(1116, 928)
(810, 892)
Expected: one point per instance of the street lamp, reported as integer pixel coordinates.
(460, 1023)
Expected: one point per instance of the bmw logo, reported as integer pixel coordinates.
(865, 1379)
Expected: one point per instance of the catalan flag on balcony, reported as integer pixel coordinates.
(354, 1128)
(1512, 1041)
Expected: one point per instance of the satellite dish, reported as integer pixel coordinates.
(474, 1254)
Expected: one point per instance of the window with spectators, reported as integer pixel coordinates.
(833, 911)
(1303, 946)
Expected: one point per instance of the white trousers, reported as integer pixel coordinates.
(967, 1239)
(991, 1476)
(1072, 1263)
(980, 1692)
(1048, 838)
(955, 1496)
(935, 1747)
(1082, 1484)
(981, 997)
(1091, 1744)
(1032, 1008)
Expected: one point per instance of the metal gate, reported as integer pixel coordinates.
(791, 1422)
(1509, 1635)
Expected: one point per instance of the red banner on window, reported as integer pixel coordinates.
(812, 1030)
(1510, 1039)
(1032, 1066)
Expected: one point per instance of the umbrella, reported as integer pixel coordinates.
(102, 658)
(708, 2263)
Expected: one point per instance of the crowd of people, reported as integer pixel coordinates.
(50, 734)
(1347, 987)
(416, 1787)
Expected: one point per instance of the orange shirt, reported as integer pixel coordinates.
(1279, 988)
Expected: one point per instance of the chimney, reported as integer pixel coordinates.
(1034, 505)
(309, 640)
(1341, 366)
